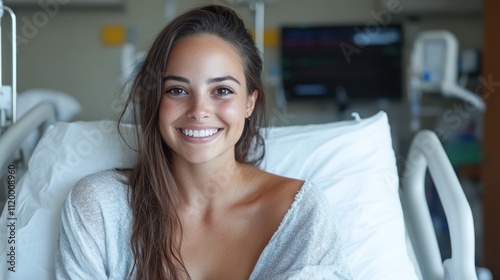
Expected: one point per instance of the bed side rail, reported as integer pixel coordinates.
(425, 152)
(41, 116)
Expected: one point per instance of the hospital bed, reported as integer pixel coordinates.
(382, 217)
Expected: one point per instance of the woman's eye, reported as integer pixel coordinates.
(176, 91)
(223, 91)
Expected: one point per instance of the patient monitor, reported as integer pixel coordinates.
(433, 69)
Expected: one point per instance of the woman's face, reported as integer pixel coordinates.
(204, 101)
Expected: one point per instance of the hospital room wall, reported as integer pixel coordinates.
(65, 51)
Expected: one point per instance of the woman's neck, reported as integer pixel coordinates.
(211, 184)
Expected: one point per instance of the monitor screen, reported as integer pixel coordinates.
(349, 61)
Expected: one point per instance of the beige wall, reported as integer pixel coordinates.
(65, 52)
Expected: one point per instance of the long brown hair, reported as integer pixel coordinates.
(156, 228)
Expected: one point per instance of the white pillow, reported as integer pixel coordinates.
(352, 161)
(65, 105)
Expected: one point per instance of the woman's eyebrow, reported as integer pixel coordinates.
(210, 81)
(176, 78)
(223, 78)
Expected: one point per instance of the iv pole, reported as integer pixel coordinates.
(9, 94)
(259, 26)
(258, 7)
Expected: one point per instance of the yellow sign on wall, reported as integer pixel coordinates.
(113, 35)
(270, 37)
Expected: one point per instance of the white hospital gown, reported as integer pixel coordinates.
(94, 239)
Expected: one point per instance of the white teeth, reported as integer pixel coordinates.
(199, 133)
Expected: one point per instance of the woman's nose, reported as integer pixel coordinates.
(199, 107)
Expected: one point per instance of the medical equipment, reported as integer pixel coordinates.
(342, 63)
(433, 69)
(352, 161)
(8, 93)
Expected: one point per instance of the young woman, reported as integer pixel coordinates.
(194, 206)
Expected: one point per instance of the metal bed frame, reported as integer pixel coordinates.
(426, 152)
(39, 118)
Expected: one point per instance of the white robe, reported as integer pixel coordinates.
(94, 239)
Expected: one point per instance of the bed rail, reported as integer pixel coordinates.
(425, 152)
(41, 116)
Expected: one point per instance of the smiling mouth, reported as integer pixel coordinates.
(199, 133)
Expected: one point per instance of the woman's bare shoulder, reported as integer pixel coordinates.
(277, 193)
(277, 184)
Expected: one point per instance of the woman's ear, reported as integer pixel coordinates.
(252, 98)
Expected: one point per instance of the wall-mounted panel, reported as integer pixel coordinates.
(64, 3)
(426, 7)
